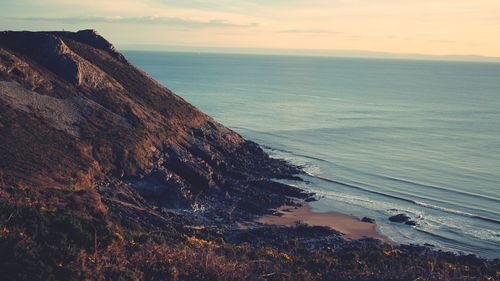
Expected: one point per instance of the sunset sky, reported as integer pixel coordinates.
(443, 27)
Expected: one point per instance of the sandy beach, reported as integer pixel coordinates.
(351, 226)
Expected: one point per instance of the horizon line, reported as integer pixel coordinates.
(305, 52)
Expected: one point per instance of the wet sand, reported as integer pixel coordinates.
(351, 226)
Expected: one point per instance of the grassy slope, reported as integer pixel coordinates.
(68, 235)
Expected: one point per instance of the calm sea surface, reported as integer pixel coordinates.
(377, 137)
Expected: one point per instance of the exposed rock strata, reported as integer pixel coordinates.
(75, 113)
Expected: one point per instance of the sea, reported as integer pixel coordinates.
(377, 137)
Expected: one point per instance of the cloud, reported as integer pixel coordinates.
(170, 21)
(231, 4)
(308, 31)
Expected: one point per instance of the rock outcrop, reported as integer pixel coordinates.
(76, 113)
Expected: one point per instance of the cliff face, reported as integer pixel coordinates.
(74, 112)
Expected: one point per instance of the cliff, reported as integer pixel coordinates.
(76, 113)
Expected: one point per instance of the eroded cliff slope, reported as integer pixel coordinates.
(74, 112)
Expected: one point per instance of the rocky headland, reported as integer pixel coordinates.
(107, 175)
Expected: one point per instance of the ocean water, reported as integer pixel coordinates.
(377, 137)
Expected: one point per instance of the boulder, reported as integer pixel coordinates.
(368, 220)
(412, 223)
(400, 218)
(310, 199)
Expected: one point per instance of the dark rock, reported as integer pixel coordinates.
(368, 220)
(400, 218)
(311, 199)
(412, 223)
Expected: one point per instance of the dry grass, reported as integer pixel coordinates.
(68, 235)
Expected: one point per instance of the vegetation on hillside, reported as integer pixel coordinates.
(57, 234)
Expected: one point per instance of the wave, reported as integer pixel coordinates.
(456, 212)
(386, 177)
(312, 172)
(455, 227)
(435, 187)
(426, 221)
(440, 237)
(364, 189)
(312, 167)
(487, 243)
(295, 154)
(414, 202)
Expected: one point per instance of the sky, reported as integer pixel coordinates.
(431, 27)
